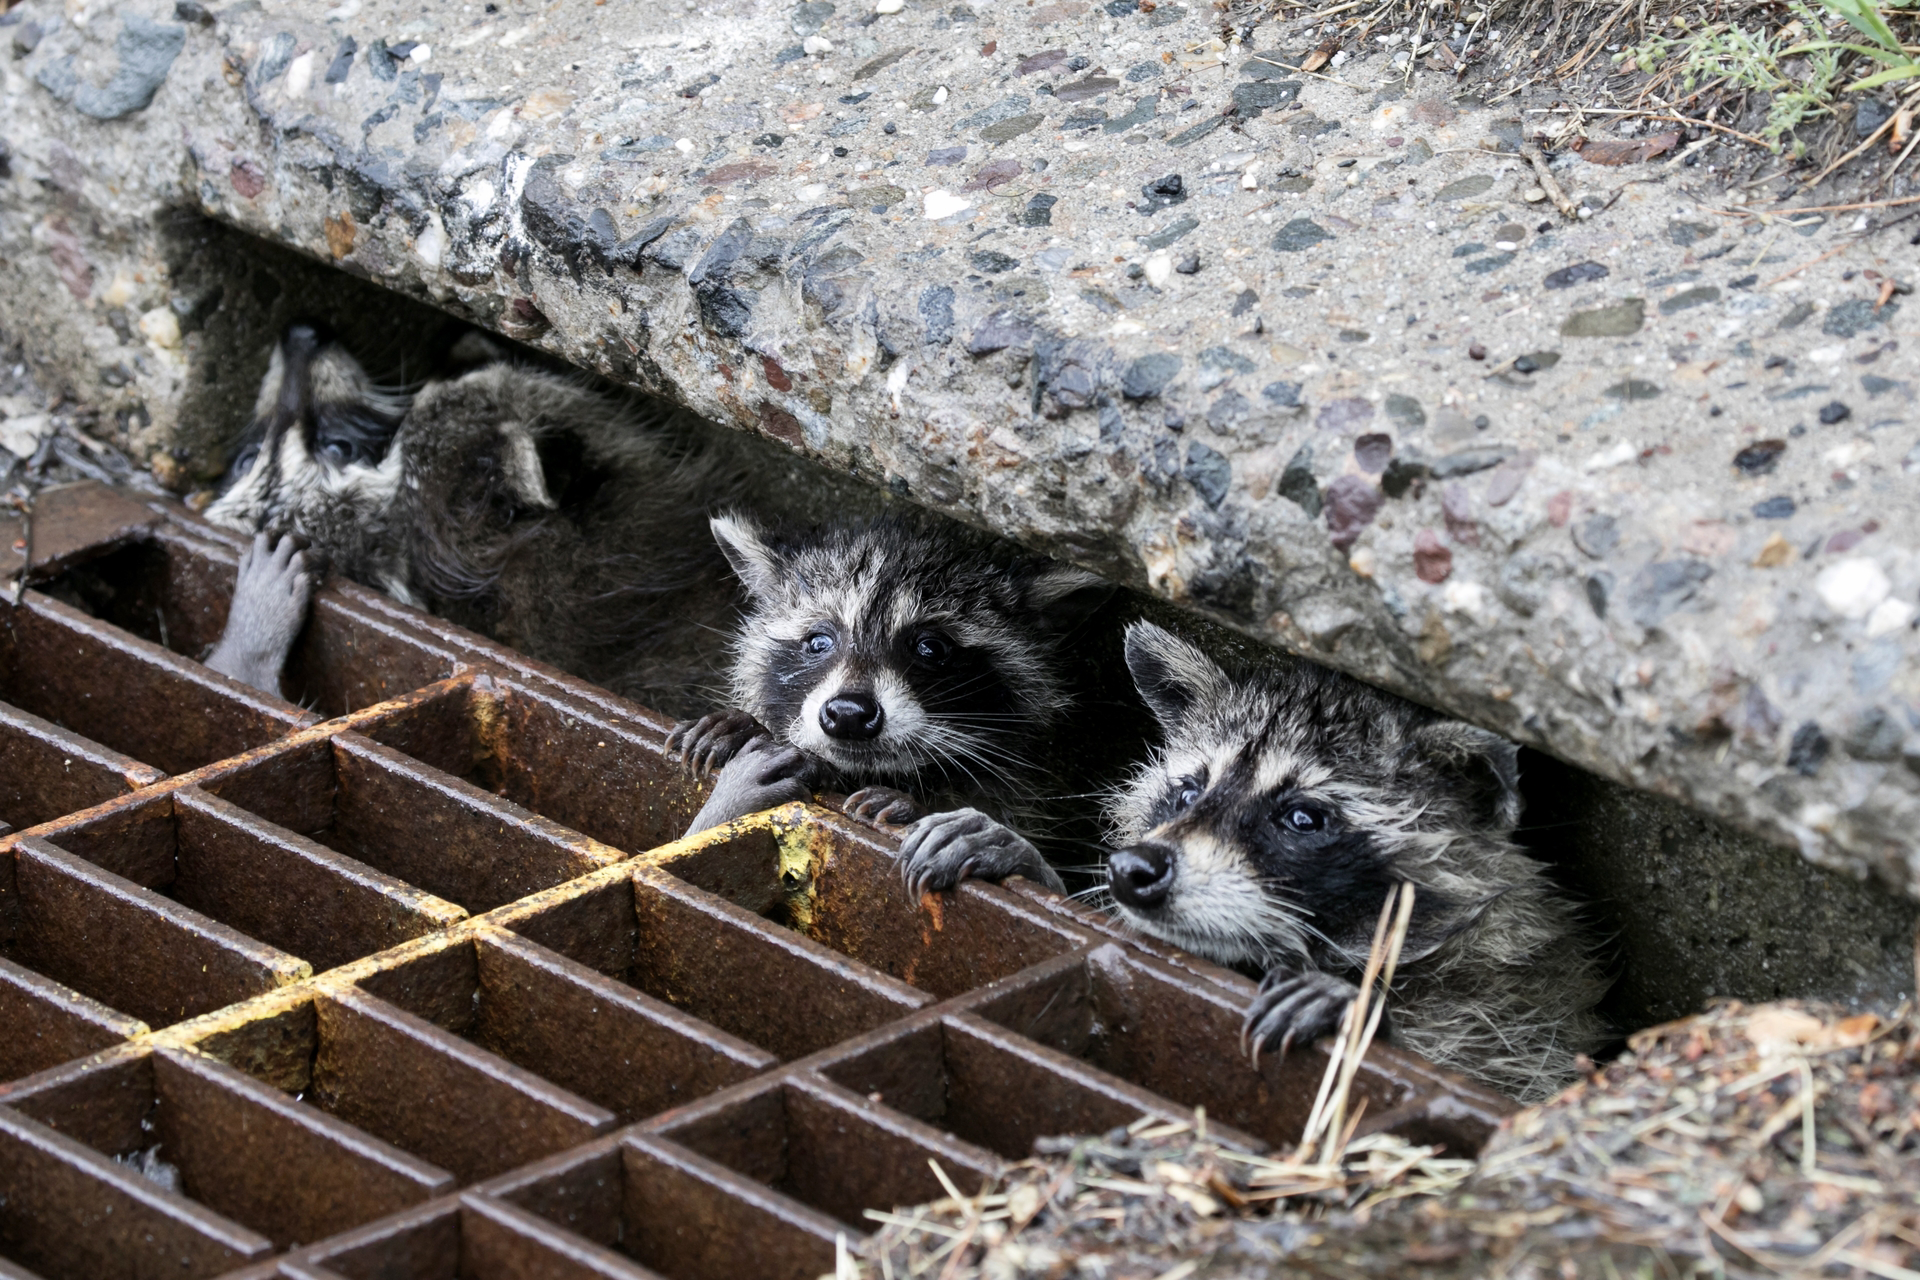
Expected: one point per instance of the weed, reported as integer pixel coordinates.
(1797, 64)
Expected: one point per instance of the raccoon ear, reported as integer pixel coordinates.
(1171, 675)
(521, 468)
(755, 563)
(1481, 769)
(1065, 597)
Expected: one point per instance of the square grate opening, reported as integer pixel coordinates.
(413, 978)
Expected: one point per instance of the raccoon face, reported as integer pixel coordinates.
(1285, 806)
(888, 652)
(318, 441)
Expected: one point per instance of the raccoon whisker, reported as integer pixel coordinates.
(1083, 868)
(944, 739)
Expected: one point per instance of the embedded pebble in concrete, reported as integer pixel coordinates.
(1129, 293)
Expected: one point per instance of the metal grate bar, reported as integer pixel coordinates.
(130, 947)
(51, 771)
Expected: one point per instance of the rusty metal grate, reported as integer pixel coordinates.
(417, 983)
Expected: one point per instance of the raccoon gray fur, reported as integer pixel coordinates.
(1282, 809)
(919, 667)
(560, 520)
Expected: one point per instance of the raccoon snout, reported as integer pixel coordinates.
(1141, 875)
(852, 715)
(303, 339)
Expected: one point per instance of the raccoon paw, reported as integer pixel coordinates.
(270, 600)
(705, 745)
(943, 849)
(763, 775)
(883, 807)
(1294, 1008)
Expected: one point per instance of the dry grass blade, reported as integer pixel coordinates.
(1385, 953)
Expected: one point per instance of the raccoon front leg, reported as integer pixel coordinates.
(705, 745)
(883, 807)
(763, 775)
(1295, 1008)
(942, 849)
(269, 607)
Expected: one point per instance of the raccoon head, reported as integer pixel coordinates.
(892, 652)
(1284, 806)
(315, 454)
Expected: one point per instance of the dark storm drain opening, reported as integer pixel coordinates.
(432, 980)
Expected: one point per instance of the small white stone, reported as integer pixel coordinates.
(477, 196)
(817, 44)
(890, 6)
(1623, 452)
(1854, 587)
(1828, 355)
(1506, 246)
(161, 327)
(1534, 195)
(944, 204)
(812, 191)
(940, 96)
(1842, 456)
(1889, 615)
(1250, 177)
(299, 75)
(684, 146)
(431, 244)
(21, 436)
(420, 55)
(1159, 270)
(1468, 598)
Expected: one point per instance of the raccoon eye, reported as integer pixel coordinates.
(337, 452)
(817, 643)
(1188, 797)
(932, 649)
(1304, 818)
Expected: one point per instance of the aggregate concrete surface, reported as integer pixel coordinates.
(1295, 350)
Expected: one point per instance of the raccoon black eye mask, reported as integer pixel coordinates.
(918, 668)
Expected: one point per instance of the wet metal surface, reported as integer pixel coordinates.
(429, 988)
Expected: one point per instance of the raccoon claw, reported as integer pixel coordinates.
(883, 807)
(1294, 1008)
(270, 599)
(763, 775)
(707, 744)
(942, 849)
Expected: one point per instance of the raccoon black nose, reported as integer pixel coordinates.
(303, 338)
(1140, 876)
(852, 715)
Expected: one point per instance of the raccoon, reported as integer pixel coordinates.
(1283, 808)
(894, 657)
(563, 521)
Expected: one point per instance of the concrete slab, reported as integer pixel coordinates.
(1635, 488)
